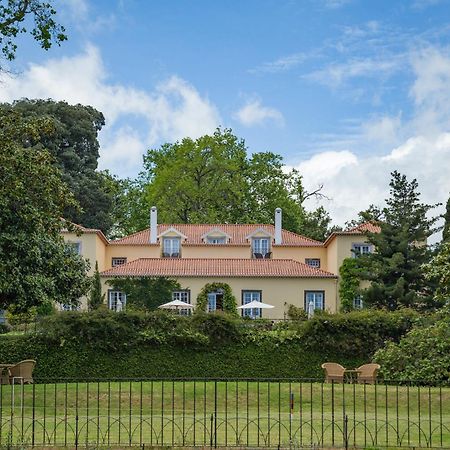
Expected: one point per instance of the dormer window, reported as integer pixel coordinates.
(216, 236)
(261, 247)
(216, 240)
(171, 247)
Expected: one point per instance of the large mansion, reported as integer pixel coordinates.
(258, 261)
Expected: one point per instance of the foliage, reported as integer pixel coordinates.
(96, 298)
(75, 147)
(296, 313)
(212, 180)
(395, 268)
(218, 326)
(349, 284)
(438, 269)
(357, 332)
(422, 354)
(145, 293)
(229, 303)
(159, 344)
(446, 230)
(13, 15)
(39, 267)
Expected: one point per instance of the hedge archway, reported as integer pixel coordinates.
(229, 300)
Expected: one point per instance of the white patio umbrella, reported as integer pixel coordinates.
(176, 304)
(310, 309)
(255, 305)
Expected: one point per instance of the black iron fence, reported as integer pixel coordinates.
(221, 413)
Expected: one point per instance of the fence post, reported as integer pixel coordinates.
(215, 414)
(346, 432)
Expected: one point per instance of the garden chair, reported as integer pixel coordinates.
(22, 372)
(367, 373)
(333, 372)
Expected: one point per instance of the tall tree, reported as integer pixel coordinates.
(212, 180)
(37, 267)
(446, 230)
(395, 268)
(75, 146)
(16, 15)
(199, 181)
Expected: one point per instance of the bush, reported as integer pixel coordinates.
(422, 354)
(296, 313)
(357, 332)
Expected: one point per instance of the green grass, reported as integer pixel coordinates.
(257, 414)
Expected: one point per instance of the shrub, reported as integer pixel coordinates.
(296, 313)
(422, 354)
(356, 332)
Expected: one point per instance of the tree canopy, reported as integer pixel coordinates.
(13, 22)
(212, 180)
(38, 267)
(395, 268)
(75, 147)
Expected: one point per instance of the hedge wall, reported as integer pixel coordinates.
(230, 360)
(112, 345)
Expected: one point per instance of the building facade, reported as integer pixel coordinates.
(258, 261)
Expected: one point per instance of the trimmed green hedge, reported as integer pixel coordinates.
(227, 361)
(110, 345)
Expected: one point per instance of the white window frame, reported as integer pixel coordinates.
(259, 247)
(115, 261)
(216, 240)
(171, 245)
(360, 249)
(316, 295)
(183, 295)
(75, 246)
(358, 302)
(113, 296)
(316, 261)
(250, 296)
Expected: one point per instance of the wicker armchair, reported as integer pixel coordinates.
(367, 373)
(22, 372)
(333, 372)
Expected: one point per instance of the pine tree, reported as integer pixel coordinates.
(96, 297)
(446, 231)
(395, 269)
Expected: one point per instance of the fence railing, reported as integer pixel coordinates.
(220, 413)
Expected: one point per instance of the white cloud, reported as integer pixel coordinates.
(419, 148)
(171, 110)
(336, 4)
(335, 75)
(254, 113)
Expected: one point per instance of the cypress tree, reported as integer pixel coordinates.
(96, 297)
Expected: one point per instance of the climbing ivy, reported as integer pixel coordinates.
(229, 300)
(349, 285)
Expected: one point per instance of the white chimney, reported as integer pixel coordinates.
(153, 225)
(278, 219)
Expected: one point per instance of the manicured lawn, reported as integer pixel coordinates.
(226, 413)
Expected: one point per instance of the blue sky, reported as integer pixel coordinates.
(345, 90)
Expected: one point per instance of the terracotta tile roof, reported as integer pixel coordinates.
(238, 234)
(82, 229)
(363, 228)
(202, 267)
